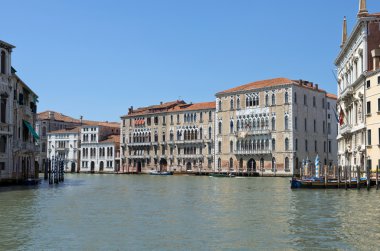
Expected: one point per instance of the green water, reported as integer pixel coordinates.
(120, 212)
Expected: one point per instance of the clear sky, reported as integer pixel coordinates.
(97, 58)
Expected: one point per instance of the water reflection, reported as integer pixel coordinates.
(117, 212)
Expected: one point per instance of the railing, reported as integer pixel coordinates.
(139, 144)
(4, 128)
(193, 141)
(346, 129)
(249, 132)
(26, 146)
(190, 156)
(252, 152)
(348, 91)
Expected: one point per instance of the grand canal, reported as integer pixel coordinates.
(120, 212)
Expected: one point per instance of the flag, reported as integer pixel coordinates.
(341, 117)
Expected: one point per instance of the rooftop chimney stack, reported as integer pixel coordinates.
(362, 8)
(344, 32)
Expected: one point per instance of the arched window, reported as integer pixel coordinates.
(210, 132)
(3, 110)
(219, 146)
(3, 144)
(286, 144)
(231, 164)
(273, 123)
(295, 98)
(287, 164)
(231, 104)
(43, 131)
(286, 97)
(247, 101)
(43, 147)
(220, 105)
(273, 145)
(200, 133)
(231, 126)
(238, 103)
(238, 125)
(219, 164)
(266, 99)
(3, 62)
(209, 116)
(220, 127)
(286, 122)
(273, 99)
(231, 146)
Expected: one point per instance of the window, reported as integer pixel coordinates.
(231, 146)
(329, 146)
(171, 119)
(3, 144)
(273, 99)
(273, 123)
(231, 104)
(296, 145)
(306, 146)
(379, 136)
(155, 120)
(295, 98)
(378, 105)
(305, 125)
(314, 101)
(378, 80)
(231, 164)
(273, 144)
(369, 107)
(369, 137)
(368, 84)
(220, 127)
(231, 127)
(287, 164)
(305, 100)
(329, 128)
(209, 132)
(3, 62)
(286, 97)
(328, 105)
(266, 99)
(286, 123)
(315, 125)
(323, 103)
(295, 123)
(286, 144)
(220, 105)
(219, 146)
(3, 110)
(163, 120)
(324, 127)
(315, 146)
(209, 116)
(324, 146)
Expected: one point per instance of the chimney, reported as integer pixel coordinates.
(130, 110)
(161, 103)
(376, 59)
(362, 8)
(311, 84)
(316, 87)
(51, 115)
(344, 32)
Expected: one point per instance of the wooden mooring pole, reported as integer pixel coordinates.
(377, 177)
(325, 177)
(339, 176)
(368, 177)
(345, 177)
(358, 177)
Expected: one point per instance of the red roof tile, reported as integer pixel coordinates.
(258, 84)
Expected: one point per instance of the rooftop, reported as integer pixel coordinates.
(66, 130)
(112, 139)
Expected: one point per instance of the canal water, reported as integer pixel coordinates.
(142, 212)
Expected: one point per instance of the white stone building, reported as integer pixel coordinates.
(65, 144)
(100, 148)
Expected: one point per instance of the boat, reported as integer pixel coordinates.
(314, 182)
(222, 175)
(163, 173)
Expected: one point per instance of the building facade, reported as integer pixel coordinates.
(271, 127)
(18, 138)
(100, 148)
(357, 65)
(65, 144)
(49, 121)
(173, 136)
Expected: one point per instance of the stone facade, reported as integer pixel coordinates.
(172, 136)
(269, 127)
(17, 120)
(356, 87)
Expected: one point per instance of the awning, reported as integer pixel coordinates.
(31, 129)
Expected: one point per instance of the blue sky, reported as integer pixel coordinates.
(97, 58)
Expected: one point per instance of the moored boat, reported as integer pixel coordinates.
(222, 175)
(154, 172)
(321, 183)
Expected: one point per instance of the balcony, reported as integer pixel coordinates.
(137, 157)
(4, 128)
(26, 146)
(139, 144)
(346, 94)
(193, 141)
(251, 132)
(190, 156)
(253, 152)
(345, 130)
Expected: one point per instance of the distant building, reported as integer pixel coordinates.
(358, 72)
(271, 127)
(172, 136)
(65, 144)
(17, 120)
(100, 148)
